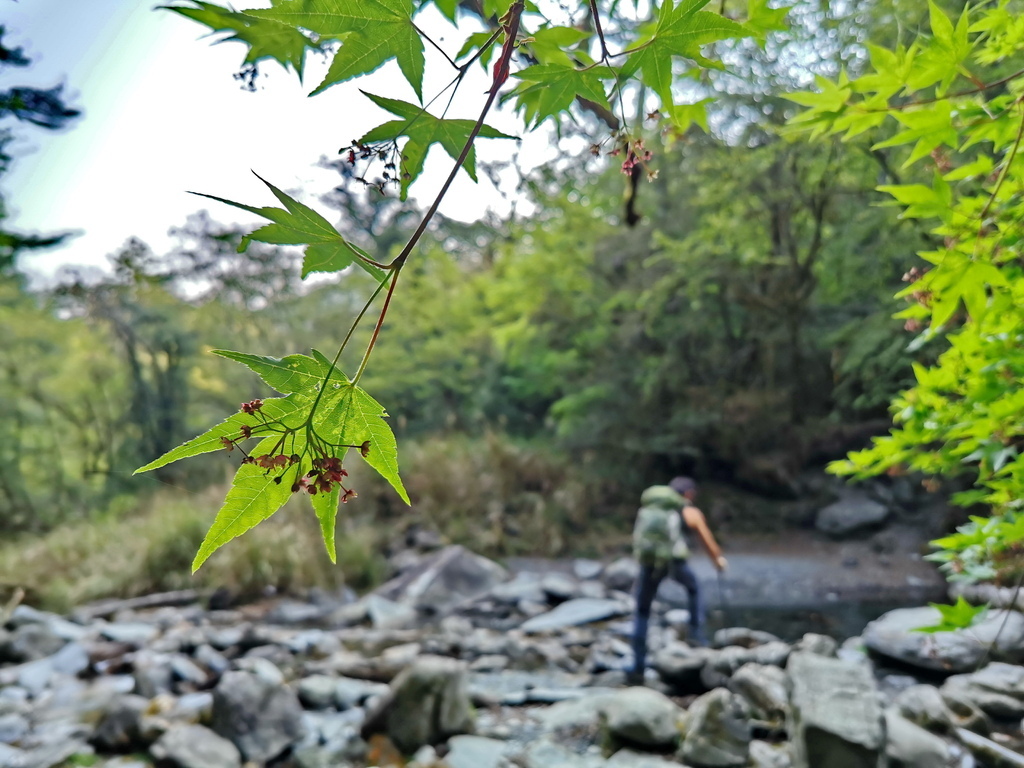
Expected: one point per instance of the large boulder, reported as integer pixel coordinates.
(718, 731)
(853, 513)
(642, 717)
(118, 729)
(742, 637)
(835, 716)
(193, 746)
(895, 635)
(764, 688)
(923, 705)
(988, 752)
(911, 746)
(680, 667)
(582, 610)
(30, 642)
(259, 716)
(997, 690)
(444, 580)
(621, 574)
(426, 704)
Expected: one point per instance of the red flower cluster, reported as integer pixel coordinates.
(252, 406)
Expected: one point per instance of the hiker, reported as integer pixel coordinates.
(660, 545)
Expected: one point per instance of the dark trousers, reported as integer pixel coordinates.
(647, 587)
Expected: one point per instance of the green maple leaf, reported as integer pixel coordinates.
(928, 127)
(960, 615)
(372, 32)
(681, 31)
(320, 400)
(548, 89)
(298, 224)
(266, 39)
(421, 130)
(762, 20)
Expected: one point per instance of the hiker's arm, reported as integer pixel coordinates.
(694, 519)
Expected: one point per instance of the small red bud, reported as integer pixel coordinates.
(364, 449)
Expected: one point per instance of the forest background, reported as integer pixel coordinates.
(731, 319)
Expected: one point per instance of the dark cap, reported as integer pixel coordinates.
(682, 485)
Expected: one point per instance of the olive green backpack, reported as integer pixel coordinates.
(657, 533)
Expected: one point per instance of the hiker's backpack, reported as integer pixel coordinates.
(657, 533)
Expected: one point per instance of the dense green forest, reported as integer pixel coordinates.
(729, 318)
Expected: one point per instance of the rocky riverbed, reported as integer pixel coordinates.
(459, 662)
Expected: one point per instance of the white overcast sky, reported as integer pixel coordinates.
(163, 115)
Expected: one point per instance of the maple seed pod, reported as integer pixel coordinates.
(228, 444)
(246, 431)
(296, 487)
(294, 458)
(364, 449)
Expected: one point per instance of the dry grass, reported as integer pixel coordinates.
(152, 550)
(494, 495)
(497, 496)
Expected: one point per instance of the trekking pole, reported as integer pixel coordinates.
(724, 605)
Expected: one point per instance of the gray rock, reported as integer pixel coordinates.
(292, 613)
(426, 704)
(387, 614)
(72, 659)
(514, 687)
(12, 756)
(621, 574)
(12, 727)
(187, 671)
(893, 635)
(775, 653)
(717, 731)
(118, 730)
(152, 674)
(997, 690)
(586, 569)
(349, 693)
(444, 580)
(990, 754)
(317, 691)
(627, 758)
(264, 669)
(854, 513)
(765, 755)
(642, 717)
(823, 645)
(34, 676)
(212, 659)
(30, 642)
(923, 705)
(135, 633)
(582, 610)
(475, 752)
(524, 586)
(543, 753)
(680, 666)
(911, 746)
(764, 688)
(677, 618)
(193, 746)
(261, 718)
(558, 587)
(742, 637)
(582, 711)
(835, 716)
